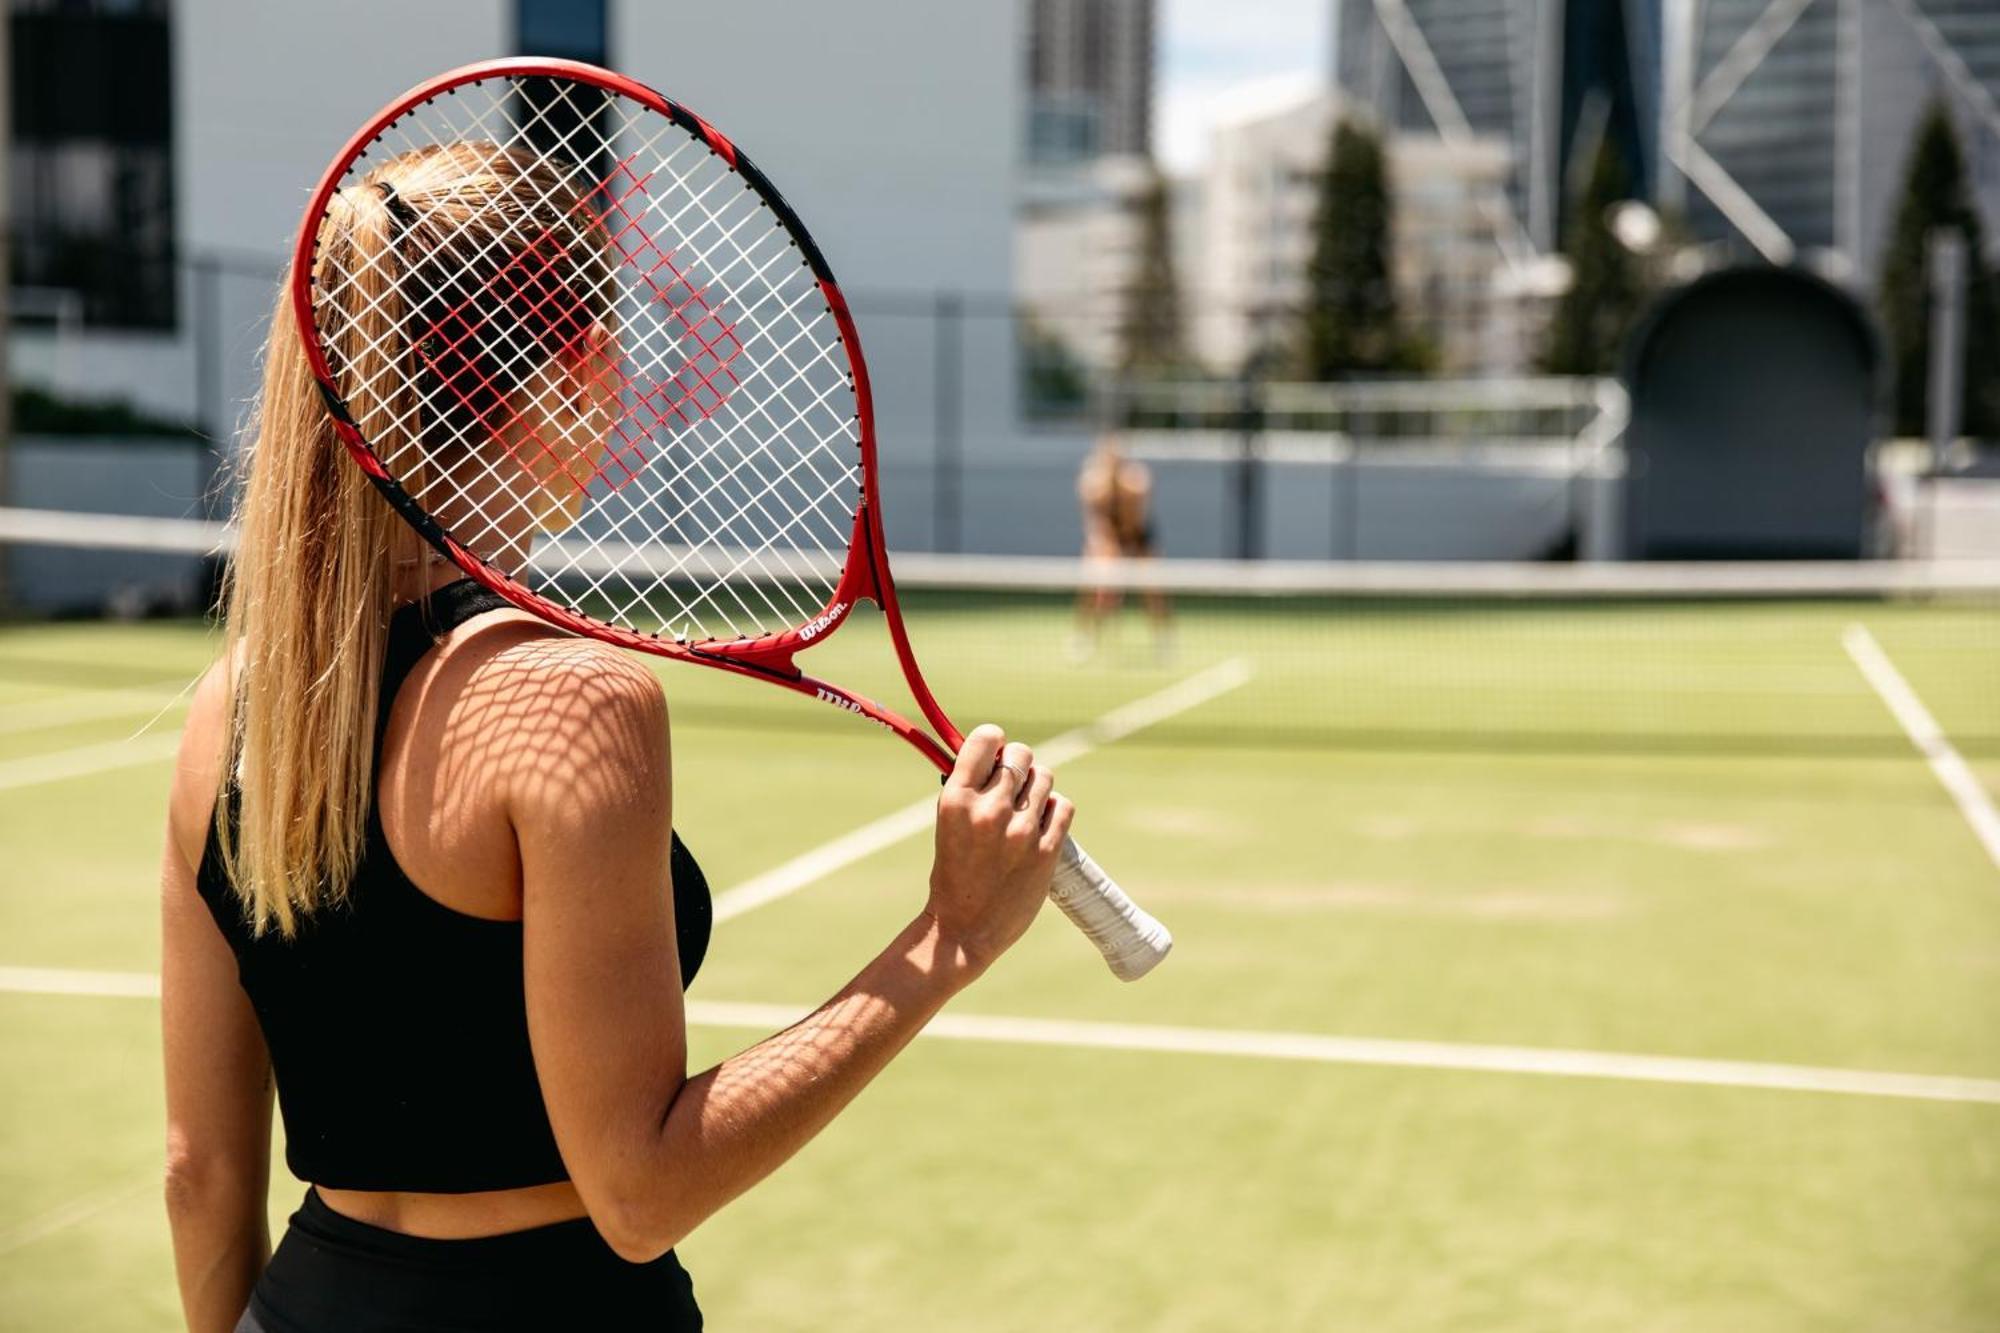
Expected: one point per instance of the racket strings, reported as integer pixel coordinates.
(717, 501)
(781, 525)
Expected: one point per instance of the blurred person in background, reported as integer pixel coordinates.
(420, 878)
(1115, 492)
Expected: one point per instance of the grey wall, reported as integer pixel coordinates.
(155, 478)
(1380, 509)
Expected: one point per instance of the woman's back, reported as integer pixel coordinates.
(397, 1019)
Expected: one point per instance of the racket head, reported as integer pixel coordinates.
(585, 348)
(583, 345)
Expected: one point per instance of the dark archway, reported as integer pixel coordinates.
(1754, 401)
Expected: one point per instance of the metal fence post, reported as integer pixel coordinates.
(1250, 414)
(1349, 468)
(1945, 249)
(205, 273)
(947, 471)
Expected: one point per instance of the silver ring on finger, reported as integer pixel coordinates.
(1020, 774)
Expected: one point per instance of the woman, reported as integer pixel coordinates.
(1115, 492)
(420, 879)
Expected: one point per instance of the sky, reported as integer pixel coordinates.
(1219, 57)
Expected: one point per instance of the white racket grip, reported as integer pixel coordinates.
(1132, 942)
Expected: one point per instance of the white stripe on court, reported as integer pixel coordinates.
(72, 981)
(69, 1214)
(35, 769)
(1308, 1047)
(811, 867)
(1313, 1047)
(1963, 785)
(38, 715)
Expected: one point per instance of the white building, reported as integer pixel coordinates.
(1078, 242)
(1090, 79)
(1261, 195)
(891, 128)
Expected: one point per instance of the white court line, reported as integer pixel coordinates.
(1313, 1047)
(810, 867)
(38, 715)
(1299, 1046)
(35, 769)
(1974, 802)
(74, 981)
(69, 1214)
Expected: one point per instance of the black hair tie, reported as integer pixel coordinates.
(398, 207)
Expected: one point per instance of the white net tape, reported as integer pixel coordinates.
(618, 381)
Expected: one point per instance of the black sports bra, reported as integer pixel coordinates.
(397, 1026)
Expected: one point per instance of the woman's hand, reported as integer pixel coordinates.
(999, 829)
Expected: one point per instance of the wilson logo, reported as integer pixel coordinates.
(846, 704)
(825, 622)
(837, 700)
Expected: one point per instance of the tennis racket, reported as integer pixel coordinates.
(587, 350)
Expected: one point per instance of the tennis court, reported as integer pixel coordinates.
(1543, 963)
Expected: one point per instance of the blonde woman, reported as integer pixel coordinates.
(420, 881)
(1115, 492)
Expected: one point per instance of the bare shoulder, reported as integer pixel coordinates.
(198, 768)
(555, 717)
(570, 675)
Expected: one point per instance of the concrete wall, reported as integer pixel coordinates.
(156, 478)
(1381, 509)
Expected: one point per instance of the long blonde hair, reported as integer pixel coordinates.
(313, 583)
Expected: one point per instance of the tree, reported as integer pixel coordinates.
(1054, 379)
(1935, 197)
(1350, 321)
(1607, 282)
(1149, 334)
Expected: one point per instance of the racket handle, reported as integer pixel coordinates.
(1131, 941)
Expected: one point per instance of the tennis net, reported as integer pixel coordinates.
(1716, 659)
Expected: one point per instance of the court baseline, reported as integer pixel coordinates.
(1308, 1047)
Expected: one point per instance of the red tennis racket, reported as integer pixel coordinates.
(586, 349)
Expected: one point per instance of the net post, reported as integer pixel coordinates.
(1944, 251)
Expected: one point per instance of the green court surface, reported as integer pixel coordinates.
(1488, 833)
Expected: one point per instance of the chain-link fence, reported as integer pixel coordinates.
(985, 408)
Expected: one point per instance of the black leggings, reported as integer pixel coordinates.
(331, 1272)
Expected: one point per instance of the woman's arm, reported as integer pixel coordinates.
(217, 1069)
(651, 1151)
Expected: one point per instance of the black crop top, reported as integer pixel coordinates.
(398, 1027)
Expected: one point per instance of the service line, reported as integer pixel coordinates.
(810, 867)
(1957, 777)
